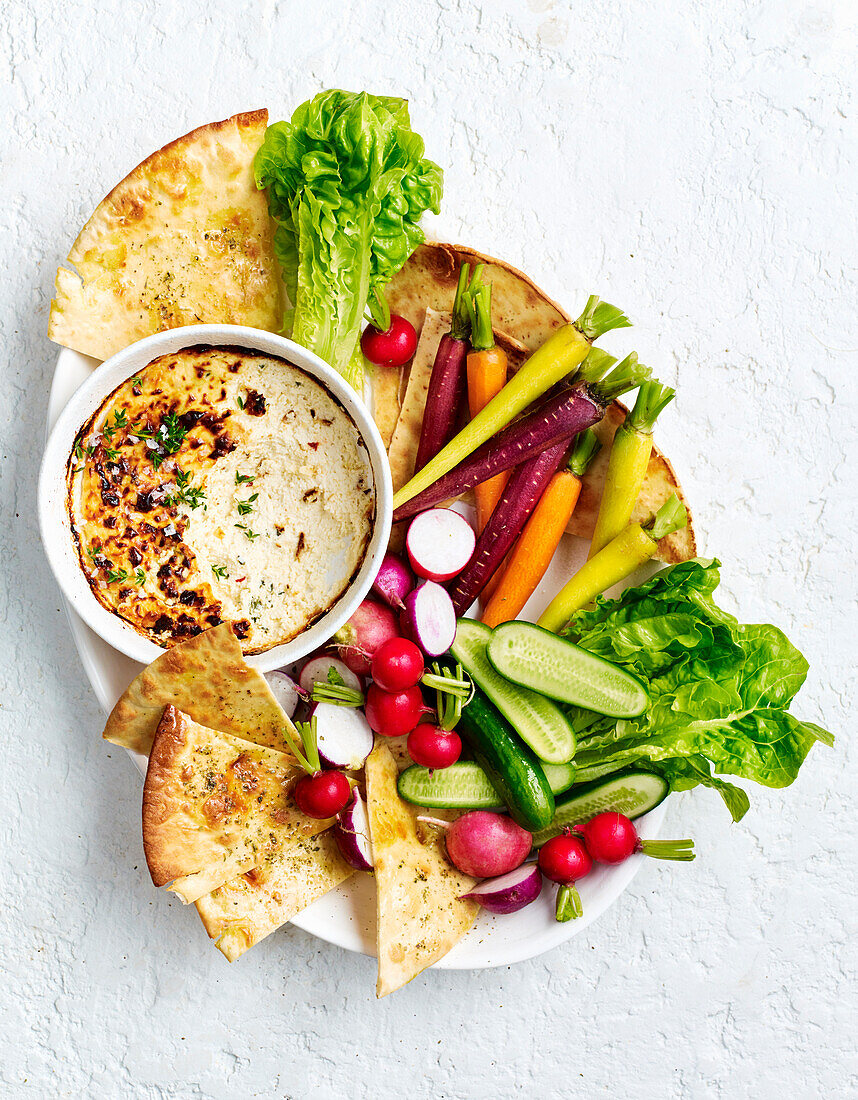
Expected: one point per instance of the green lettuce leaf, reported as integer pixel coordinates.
(719, 691)
(347, 184)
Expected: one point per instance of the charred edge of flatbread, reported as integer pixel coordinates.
(170, 739)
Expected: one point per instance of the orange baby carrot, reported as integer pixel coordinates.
(532, 554)
(487, 368)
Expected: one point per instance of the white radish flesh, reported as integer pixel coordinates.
(285, 691)
(440, 543)
(352, 835)
(344, 736)
(510, 892)
(317, 670)
(429, 619)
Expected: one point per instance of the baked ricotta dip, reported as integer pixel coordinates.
(220, 484)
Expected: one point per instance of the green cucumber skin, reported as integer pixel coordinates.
(513, 769)
(411, 790)
(556, 649)
(533, 716)
(584, 802)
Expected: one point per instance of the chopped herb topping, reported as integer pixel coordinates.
(245, 507)
(220, 572)
(140, 577)
(248, 534)
(117, 575)
(186, 493)
(244, 479)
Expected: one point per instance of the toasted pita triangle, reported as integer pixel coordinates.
(250, 907)
(215, 806)
(207, 678)
(420, 914)
(184, 238)
(526, 316)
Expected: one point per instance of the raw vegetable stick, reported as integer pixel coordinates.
(614, 562)
(591, 370)
(560, 416)
(487, 368)
(520, 497)
(627, 465)
(561, 354)
(447, 383)
(541, 536)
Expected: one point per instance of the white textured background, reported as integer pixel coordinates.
(694, 162)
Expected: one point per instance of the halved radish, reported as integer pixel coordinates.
(285, 691)
(344, 736)
(429, 619)
(440, 543)
(352, 834)
(509, 892)
(317, 670)
(393, 581)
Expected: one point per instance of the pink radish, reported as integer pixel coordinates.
(372, 624)
(611, 838)
(429, 619)
(319, 668)
(485, 844)
(343, 736)
(352, 834)
(509, 893)
(440, 543)
(285, 691)
(394, 581)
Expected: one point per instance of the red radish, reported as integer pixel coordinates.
(324, 668)
(322, 794)
(446, 392)
(391, 348)
(285, 691)
(352, 834)
(429, 618)
(393, 714)
(343, 736)
(520, 496)
(559, 417)
(439, 544)
(372, 624)
(397, 665)
(565, 859)
(434, 747)
(485, 844)
(611, 838)
(393, 581)
(509, 892)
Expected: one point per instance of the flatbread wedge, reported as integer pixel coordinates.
(525, 316)
(215, 806)
(420, 913)
(207, 678)
(185, 238)
(250, 907)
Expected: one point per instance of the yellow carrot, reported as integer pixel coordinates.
(529, 559)
(563, 352)
(627, 465)
(631, 548)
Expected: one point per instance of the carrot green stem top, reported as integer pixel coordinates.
(600, 317)
(626, 375)
(651, 399)
(670, 517)
(583, 452)
(482, 334)
(461, 325)
(595, 366)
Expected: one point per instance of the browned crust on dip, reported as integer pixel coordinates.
(219, 484)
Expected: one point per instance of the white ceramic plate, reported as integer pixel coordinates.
(346, 916)
(55, 523)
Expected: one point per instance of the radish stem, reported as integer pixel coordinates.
(338, 694)
(681, 850)
(568, 905)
